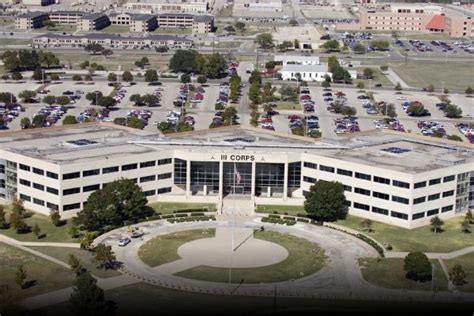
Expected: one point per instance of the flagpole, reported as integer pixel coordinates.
(233, 227)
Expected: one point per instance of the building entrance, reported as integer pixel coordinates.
(237, 178)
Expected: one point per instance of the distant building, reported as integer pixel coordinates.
(171, 6)
(37, 2)
(66, 17)
(92, 22)
(30, 20)
(200, 24)
(138, 22)
(297, 59)
(203, 24)
(305, 72)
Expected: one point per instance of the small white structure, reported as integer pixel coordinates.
(305, 72)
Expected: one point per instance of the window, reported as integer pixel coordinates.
(449, 178)
(148, 164)
(164, 176)
(363, 176)
(309, 179)
(129, 167)
(400, 199)
(381, 180)
(164, 190)
(52, 206)
(362, 191)
(52, 190)
(38, 201)
(435, 181)
(71, 191)
(110, 169)
(164, 161)
(421, 184)
(52, 175)
(361, 206)
(418, 215)
(38, 171)
(25, 167)
(399, 215)
(147, 178)
(380, 195)
(379, 210)
(419, 200)
(73, 206)
(433, 197)
(149, 192)
(93, 172)
(72, 175)
(344, 172)
(180, 168)
(25, 197)
(38, 186)
(92, 187)
(326, 168)
(347, 188)
(25, 182)
(432, 212)
(447, 208)
(448, 193)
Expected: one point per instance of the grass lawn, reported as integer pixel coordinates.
(15, 41)
(47, 275)
(51, 232)
(86, 257)
(280, 209)
(6, 21)
(418, 239)
(164, 249)
(169, 207)
(286, 105)
(467, 262)
(426, 36)
(304, 258)
(389, 273)
(166, 30)
(117, 29)
(421, 74)
(228, 44)
(378, 78)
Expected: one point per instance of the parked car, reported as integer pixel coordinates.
(124, 241)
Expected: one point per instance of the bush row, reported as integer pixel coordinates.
(278, 221)
(192, 210)
(192, 219)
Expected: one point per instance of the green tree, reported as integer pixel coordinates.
(94, 48)
(325, 201)
(25, 95)
(453, 111)
(75, 264)
(18, 223)
(229, 116)
(201, 79)
(49, 24)
(104, 256)
(48, 59)
(49, 99)
(37, 74)
(74, 231)
(389, 110)
(107, 52)
(340, 74)
(89, 299)
(360, 85)
(136, 98)
(20, 277)
(270, 64)
(398, 87)
(455, 138)
(94, 97)
(368, 73)
(161, 49)
(366, 225)
(430, 88)
(285, 45)
(39, 121)
(469, 217)
(37, 231)
(296, 44)
(293, 22)
(127, 75)
(84, 64)
(333, 63)
(76, 78)
(151, 75)
(466, 226)
(359, 48)
(184, 61)
(229, 28)
(88, 77)
(380, 45)
(255, 77)
(185, 78)
(469, 91)
(325, 84)
(121, 200)
(436, 224)
(55, 217)
(166, 127)
(3, 218)
(87, 240)
(254, 93)
(331, 46)
(7, 98)
(11, 61)
(63, 100)
(417, 267)
(215, 65)
(184, 127)
(25, 123)
(240, 26)
(264, 40)
(134, 122)
(112, 77)
(106, 101)
(457, 275)
(17, 76)
(69, 120)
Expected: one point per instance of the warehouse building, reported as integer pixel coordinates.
(397, 179)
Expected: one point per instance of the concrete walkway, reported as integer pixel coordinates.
(395, 78)
(433, 255)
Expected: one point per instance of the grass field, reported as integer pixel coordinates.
(378, 78)
(286, 105)
(169, 207)
(280, 209)
(304, 258)
(389, 273)
(467, 262)
(116, 29)
(45, 275)
(15, 41)
(6, 21)
(165, 30)
(164, 249)
(86, 257)
(50, 232)
(419, 239)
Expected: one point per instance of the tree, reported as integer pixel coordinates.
(214, 65)
(7, 98)
(457, 275)
(270, 64)
(380, 45)
(49, 99)
(63, 100)
(201, 79)
(106, 101)
(430, 88)
(25, 123)
(368, 73)
(229, 28)
(20, 277)
(55, 217)
(77, 78)
(255, 76)
(254, 93)
(466, 226)
(398, 87)
(112, 77)
(229, 116)
(340, 74)
(94, 48)
(11, 61)
(107, 52)
(185, 78)
(349, 111)
(39, 120)
(136, 98)
(293, 22)
(122, 121)
(17, 222)
(161, 49)
(134, 122)
(37, 74)
(326, 201)
(75, 264)
(69, 120)
(37, 231)
(74, 231)
(88, 77)
(48, 59)
(453, 111)
(89, 299)
(285, 45)
(49, 24)
(151, 75)
(264, 40)
(296, 44)
(121, 200)
(84, 64)
(331, 46)
(389, 110)
(417, 267)
(469, 217)
(17, 76)
(366, 225)
(360, 85)
(25, 95)
(359, 48)
(127, 75)
(184, 61)
(325, 84)
(3, 219)
(87, 240)
(54, 77)
(240, 26)
(455, 138)
(436, 224)
(469, 91)
(166, 127)
(104, 256)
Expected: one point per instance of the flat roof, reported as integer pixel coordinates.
(32, 14)
(305, 68)
(203, 18)
(93, 16)
(376, 149)
(106, 36)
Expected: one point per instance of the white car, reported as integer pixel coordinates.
(124, 241)
(401, 98)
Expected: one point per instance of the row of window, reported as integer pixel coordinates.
(39, 171)
(38, 186)
(40, 202)
(400, 199)
(423, 184)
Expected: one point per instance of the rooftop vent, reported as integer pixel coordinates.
(395, 150)
(81, 142)
(240, 139)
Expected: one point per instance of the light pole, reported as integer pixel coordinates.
(442, 86)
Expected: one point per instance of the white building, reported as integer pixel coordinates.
(397, 179)
(297, 59)
(305, 72)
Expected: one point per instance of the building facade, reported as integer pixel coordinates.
(189, 6)
(30, 20)
(399, 180)
(66, 17)
(92, 22)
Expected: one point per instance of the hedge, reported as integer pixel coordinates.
(191, 219)
(192, 210)
(278, 221)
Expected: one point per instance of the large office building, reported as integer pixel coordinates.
(397, 179)
(30, 20)
(92, 22)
